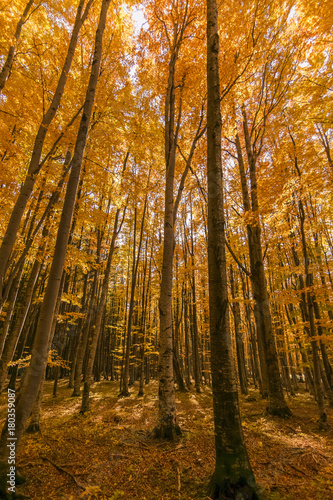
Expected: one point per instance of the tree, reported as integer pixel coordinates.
(7, 66)
(35, 164)
(233, 476)
(29, 391)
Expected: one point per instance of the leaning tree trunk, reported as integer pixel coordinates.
(6, 68)
(14, 335)
(233, 477)
(35, 164)
(39, 355)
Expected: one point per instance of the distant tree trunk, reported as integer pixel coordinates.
(195, 332)
(187, 339)
(10, 307)
(21, 316)
(233, 476)
(143, 321)
(127, 345)
(95, 334)
(239, 338)
(319, 393)
(254, 352)
(87, 325)
(39, 355)
(136, 258)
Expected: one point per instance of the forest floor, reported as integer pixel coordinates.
(108, 454)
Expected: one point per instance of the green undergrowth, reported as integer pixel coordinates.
(109, 453)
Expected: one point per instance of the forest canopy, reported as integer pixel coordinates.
(166, 209)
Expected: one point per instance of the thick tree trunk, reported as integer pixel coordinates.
(233, 477)
(266, 341)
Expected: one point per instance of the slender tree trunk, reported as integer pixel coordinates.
(95, 333)
(6, 68)
(35, 165)
(32, 232)
(266, 341)
(319, 393)
(22, 312)
(167, 426)
(84, 335)
(39, 355)
(10, 308)
(125, 374)
(239, 338)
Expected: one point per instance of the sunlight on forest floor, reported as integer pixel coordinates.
(108, 453)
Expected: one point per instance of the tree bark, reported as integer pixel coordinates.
(34, 166)
(39, 355)
(233, 476)
(95, 333)
(6, 68)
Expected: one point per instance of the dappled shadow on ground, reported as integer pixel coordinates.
(108, 453)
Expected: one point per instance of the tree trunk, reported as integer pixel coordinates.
(266, 341)
(319, 393)
(21, 316)
(95, 333)
(238, 334)
(39, 355)
(6, 68)
(35, 165)
(233, 476)
(167, 426)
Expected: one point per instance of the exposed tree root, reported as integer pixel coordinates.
(241, 490)
(33, 428)
(170, 431)
(282, 411)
